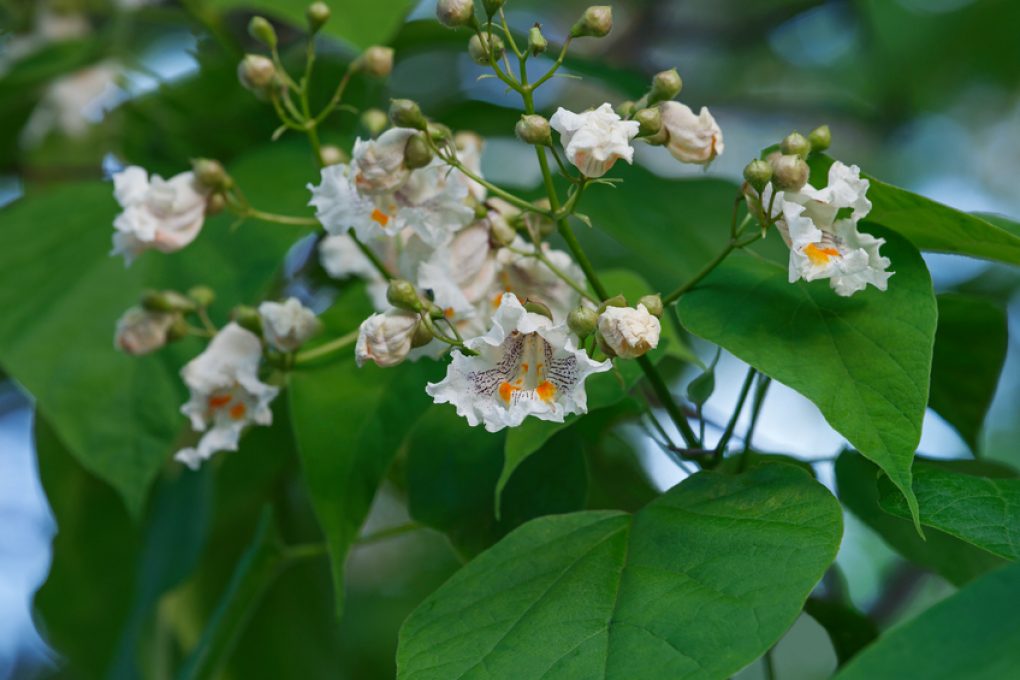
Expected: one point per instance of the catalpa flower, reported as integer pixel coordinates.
(226, 394)
(595, 140)
(164, 215)
(386, 338)
(140, 331)
(378, 164)
(629, 332)
(288, 325)
(820, 226)
(526, 366)
(692, 138)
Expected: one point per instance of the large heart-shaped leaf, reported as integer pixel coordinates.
(973, 634)
(695, 585)
(953, 559)
(982, 511)
(864, 360)
(349, 423)
(970, 349)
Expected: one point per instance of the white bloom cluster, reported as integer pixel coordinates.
(820, 227)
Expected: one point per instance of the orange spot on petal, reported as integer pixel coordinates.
(819, 256)
(379, 216)
(506, 391)
(219, 401)
(545, 390)
(238, 410)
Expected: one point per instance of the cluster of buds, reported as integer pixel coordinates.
(785, 169)
(159, 318)
(620, 330)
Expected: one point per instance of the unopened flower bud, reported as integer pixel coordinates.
(629, 332)
(210, 174)
(536, 307)
(375, 121)
(596, 22)
(795, 144)
(166, 301)
(417, 153)
(401, 294)
(650, 121)
(492, 6)
(758, 173)
(653, 303)
(537, 44)
(439, 133)
(333, 155)
(386, 339)
(454, 13)
(820, 138)
(377, 61)
(140, 331)
(615, 301)
(288, 325)
(203, 296)
(500, 232)
(626, 109)
(247, 318)
(790, 173)
(478, 48)
(534, 129)
(256, 73)
(666, 85)
(317, 14)
(178, 330)
(583, 321)
(215, 204)
(406, 113)
(422, 336)
(260, 29)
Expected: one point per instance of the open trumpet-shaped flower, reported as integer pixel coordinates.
(824, 240)
(226, 394)
(526, 366)
(692, 138)
(595, 140)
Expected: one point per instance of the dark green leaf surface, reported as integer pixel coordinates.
(979, 510)
(696, 585)
(973, 634)
(953, 559)
(970, 349)
(864, 360)
(849, 630)
(349, 423)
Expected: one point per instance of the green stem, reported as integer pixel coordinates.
(502, 193)
(280, 219)
(666, 397)
(555, 67)
(732, 424)
(372, 257)
(390, 532)
(756, 404)
(338, 94)
(327, 348)
(769, 665)
(732, 245)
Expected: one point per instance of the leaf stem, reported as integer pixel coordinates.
(756, 404)
(733, 244)
(732, 424)
(327, 348)
(668, 402)
(371, 255)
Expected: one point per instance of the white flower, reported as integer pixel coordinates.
(824, 240)
(288, 325)
(74, 102)
(226, 394)
(530, 279)
(595, 140)
(164, 215)
(340, 206)
(433, 203)
(692, 138)
(525, 366)
(386, 338)
(629, 331)
(140, 331)
(378, 164)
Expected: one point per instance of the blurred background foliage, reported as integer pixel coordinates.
(922, 93)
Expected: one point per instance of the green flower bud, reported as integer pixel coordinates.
(537, 44)
(260, 29)
(534, 129)
(492, 6)
(166, 301)
(406, 113)
(653, 303)
(596, 22)
(795, 144)
(203, 296)
(422, 336)
(820, 138)
(417, 153)
(536, 307)
(439, 132)
(377, 61)
(317, 14)
(666, 85)
(758, 173)
(615, 301)
(256, 73)
(210, 174)
(375, 121)
(650, 121)
(247, 318)
(402, 294)
(478, 48)
(790, 173)
(215, 204)
(454, 13)
(583, 321)
(333, 155)
(178, 329)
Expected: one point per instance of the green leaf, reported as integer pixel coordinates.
(61, 291)
(970, 350)
(973, 634)
(982, 511)
(696, 585)
(863, 360)
(930, 225)
(849, 630)
(953, 559)
(349, 423)
(361, 24)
